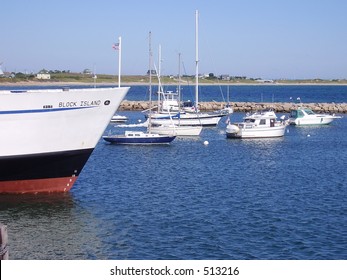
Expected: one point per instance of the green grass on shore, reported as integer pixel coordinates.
(143, 79)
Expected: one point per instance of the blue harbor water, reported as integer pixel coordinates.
(231, 199)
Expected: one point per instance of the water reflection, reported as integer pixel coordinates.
(49, 226)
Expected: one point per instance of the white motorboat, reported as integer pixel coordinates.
(258, 125)
(305, 116)
(119, 118)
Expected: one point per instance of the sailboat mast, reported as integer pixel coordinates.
(150, 79)
(159, 75)
(196, 60)
(179, 81)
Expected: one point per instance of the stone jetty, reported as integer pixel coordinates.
(248, 106)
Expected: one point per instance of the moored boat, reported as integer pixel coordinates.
(305, 116)
(139, 138)
(192, 117)
(258, 125)
(48, 135)
(119, 118)
(178, 130)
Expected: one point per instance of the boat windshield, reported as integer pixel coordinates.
(249, 120)
(309, 112)
(188, 104)
(296, 114)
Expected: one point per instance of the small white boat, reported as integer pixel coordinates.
(305, 116)
(139, 138)
(177, 130)
(258, 125)
(119, 118)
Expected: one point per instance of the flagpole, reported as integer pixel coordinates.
(119, 59)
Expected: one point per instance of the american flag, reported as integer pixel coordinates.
(115, 46)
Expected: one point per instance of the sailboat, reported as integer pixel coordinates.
(172, 104)
(140, 137)
(195, 118)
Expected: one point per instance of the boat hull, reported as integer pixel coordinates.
(50, 134)
(256, 132)
(139, 140)
(47, 172)
(316, 120)
(177, 130)
(188, 119)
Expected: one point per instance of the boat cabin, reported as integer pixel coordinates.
(169, 101)
(300, 113)
(267, 119)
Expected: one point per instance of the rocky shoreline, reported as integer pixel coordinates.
(248, 106)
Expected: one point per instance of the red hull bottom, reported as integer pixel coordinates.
(38, 185)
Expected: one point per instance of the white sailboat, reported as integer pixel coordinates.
(195, 118)
(172, 127)
(140, 137)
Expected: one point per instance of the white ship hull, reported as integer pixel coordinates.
(57, 128)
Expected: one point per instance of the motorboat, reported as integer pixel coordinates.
(305, 116)
(139, 138)
(119, 118)
(262, 124)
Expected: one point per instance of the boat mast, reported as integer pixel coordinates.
(150, 80)
(159, 75)
(196, 60)
(179, 88)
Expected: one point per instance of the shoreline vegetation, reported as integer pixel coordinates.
(128, 80)
(77, 79)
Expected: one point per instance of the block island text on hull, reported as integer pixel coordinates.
(47, 136)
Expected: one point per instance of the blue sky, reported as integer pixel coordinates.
(268, 39)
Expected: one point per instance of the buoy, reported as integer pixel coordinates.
(206, 143)
(308, 135)
(139, 120)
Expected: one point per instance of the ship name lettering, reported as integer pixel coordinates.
(67, 104)
(90, 103)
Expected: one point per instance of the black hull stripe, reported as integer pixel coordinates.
(43, 166)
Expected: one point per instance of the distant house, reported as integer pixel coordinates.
(225, 77)
(87, 71)
(43, 76)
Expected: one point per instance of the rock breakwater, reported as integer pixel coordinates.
(247, 106)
